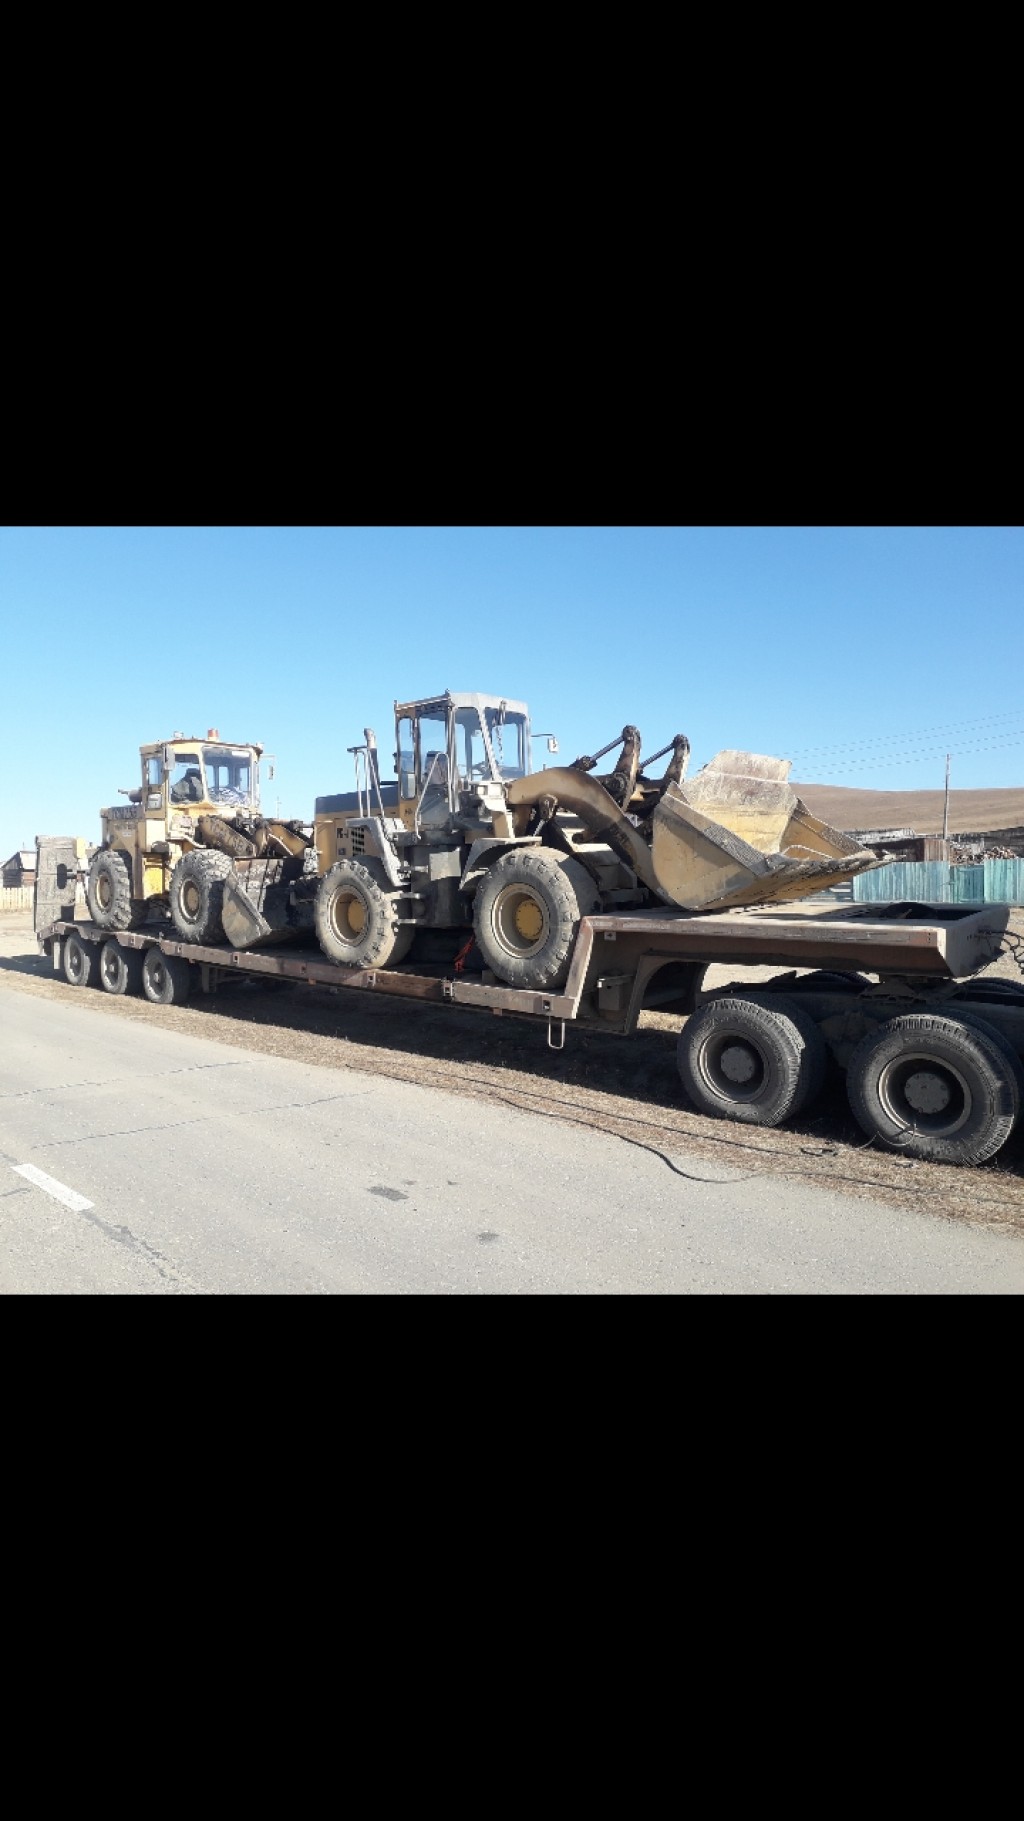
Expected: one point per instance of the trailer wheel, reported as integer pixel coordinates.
(166, 979)
(79, 961)
(357, 916)
(740, 1059)
(197, 894)
(120, 969)
(108, 891)
(943, 1089)
(526, 914)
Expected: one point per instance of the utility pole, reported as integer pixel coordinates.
(945, 806)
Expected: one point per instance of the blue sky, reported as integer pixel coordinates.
(863, 653)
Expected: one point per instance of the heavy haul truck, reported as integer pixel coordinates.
(589, 897)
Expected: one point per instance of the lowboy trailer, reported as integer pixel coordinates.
(931, 1053)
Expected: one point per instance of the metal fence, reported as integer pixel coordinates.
(15, 897)
(936, 882)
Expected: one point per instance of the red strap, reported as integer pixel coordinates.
(460, 959)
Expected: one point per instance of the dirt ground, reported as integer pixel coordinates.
(628, 1087)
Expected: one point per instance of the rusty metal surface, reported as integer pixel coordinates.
(738, 834)
(214, 832)
(946, 948)
(585, 797)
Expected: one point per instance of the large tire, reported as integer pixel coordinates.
(197, 895)
(946, 1089)
(166, 979)
(526, 915)
(357, 915)
(78, 961)
(108, 890)
(119, 969)
(741, 1059)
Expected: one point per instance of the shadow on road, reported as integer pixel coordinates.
(26, 964)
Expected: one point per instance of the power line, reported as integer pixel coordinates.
(940, 729)
(885, 762)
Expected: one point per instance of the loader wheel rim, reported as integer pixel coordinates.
(104, 891)
(347, 916)
(731, 1065)
(191, 899)
(919, 1091)
(520, 920)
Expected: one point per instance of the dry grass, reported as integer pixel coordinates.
(970, 811)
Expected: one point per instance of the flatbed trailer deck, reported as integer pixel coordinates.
(932, 1055)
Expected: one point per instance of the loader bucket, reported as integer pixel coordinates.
(737, 834)
(254, 917)
(244, 927)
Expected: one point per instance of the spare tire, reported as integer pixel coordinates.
(357, 914)
(197, 894)
(108, 891)
(526, 915)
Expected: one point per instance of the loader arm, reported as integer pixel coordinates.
(583, 796)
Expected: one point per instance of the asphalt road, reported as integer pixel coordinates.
(137, 1159)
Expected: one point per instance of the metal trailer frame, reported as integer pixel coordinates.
(925, 957)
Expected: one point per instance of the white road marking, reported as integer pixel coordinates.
(77, 1203)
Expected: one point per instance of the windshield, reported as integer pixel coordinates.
(508, 741)
(229, 777)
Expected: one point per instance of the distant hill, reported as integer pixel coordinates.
(970, 811)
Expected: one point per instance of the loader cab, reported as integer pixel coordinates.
(192, 776)
(456, 749)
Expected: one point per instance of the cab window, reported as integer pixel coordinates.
(187, 779)
(470, 751)
(405, 760)
(508, 742)
(433, 745)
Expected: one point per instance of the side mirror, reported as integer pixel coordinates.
(552, 744)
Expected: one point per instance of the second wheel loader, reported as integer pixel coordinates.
(192, 822)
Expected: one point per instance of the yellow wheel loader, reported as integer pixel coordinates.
(192, 824)
(469, 840)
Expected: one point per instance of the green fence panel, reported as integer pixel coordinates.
(1004, 881)
(936, 882)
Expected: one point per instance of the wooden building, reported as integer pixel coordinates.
(19, 870)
